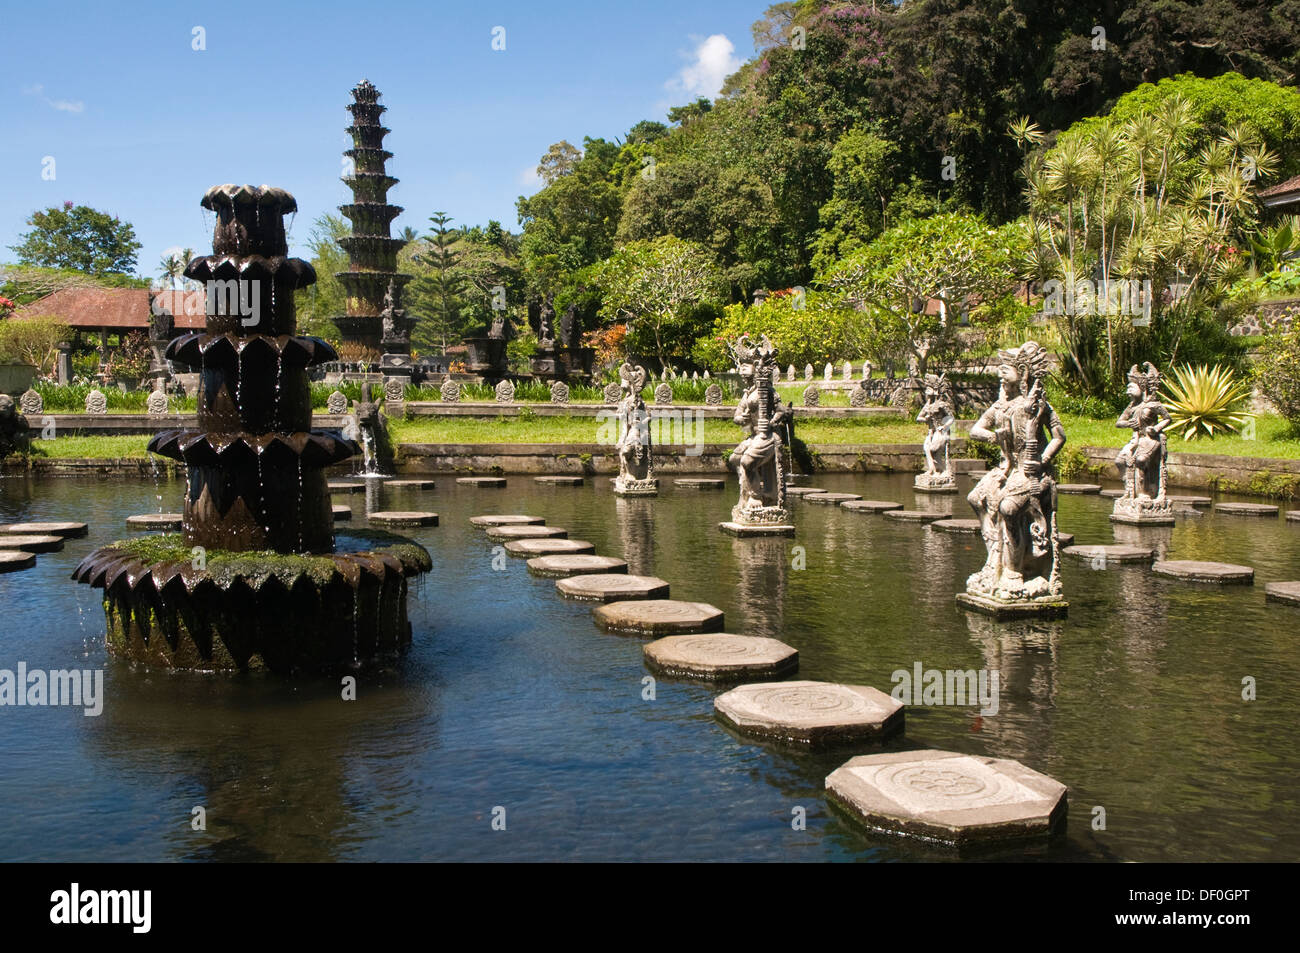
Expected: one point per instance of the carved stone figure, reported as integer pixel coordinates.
(937, 413)
(812, 396)
(1016, 500)
(546, 327)
(156, 403)
(505, 392)
(613, 394)
(789, 372)
(450, 390)
(337, 403)
(96, 402)
(807, 372)
(759, 459)
(1144, 460)
(497, 330)
(635, 468)
(559, 392)
(570, 327)
(858, 396)
(31, 402)
(664, 394)
(394, 390)
(713, 395)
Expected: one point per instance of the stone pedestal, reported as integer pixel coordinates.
(744, 530)
(920, 487)
(636, 487)
(1049, 607)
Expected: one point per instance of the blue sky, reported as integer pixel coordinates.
(140, 124)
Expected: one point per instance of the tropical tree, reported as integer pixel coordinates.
(80, 238)
(437, 291)
(320, 303)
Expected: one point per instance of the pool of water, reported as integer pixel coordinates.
(511, 698)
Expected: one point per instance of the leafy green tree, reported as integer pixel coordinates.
(436, 296)
(78, 237)
(667, 290)
(956, 260)
(319, 304)
(807, 327)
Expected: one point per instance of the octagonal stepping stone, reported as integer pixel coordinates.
(559, 567)
(1112, 494)
(831, 499)
(956, 526)
(1064, 539)
(403, 518)
(560, 480)
(1196, 570)
(1201, 502)
(871, 506)
(342, 486)
(813, 713)
(917, 516)
(68, 530)
(155, 521)
(1111, 553)
(803, 490)
(1248, 509)
(720, 656)
(1293, 516)
(955, 799)
(11, 560)
(526, 532)
(701, 483)
(1079, 488)
(658, 617)
(527, 548)
(29, 543)
(410, 484)
(611, 587)
(1288, 592)
(342, 512)
(482, 481)
(508, 519)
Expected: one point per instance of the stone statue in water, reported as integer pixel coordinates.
(1143, 461)
(1016, 500)
(635, 468)
(937, 413)
(759, 459)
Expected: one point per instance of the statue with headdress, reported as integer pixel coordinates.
(938, 414)
(759, 459)
(635, 468)
(1016, 500)
(1143, 463)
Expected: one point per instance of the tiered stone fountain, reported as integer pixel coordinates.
(255, 580)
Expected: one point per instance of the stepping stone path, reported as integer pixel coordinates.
(342, 512)
(527, 548)
(155, 521)
(1293, 516)
(67, 530)
(410, 484)
(612, 587)
(803, 490)
(1200, 501)
(1248, 509)
(11, 560)
(1112, 494)
(917, 516)
(31, 544)
(559, 567)
(720, 657)
(508, 519)
(560, 480)
(1082, 488)
(871, 506)
(1113, 553)
(482, 481)
(1288, 592)
(1197, 571)
(697, 483)
(403, 518)
(658, 617)
(1062, 539)
(526, 532)
(957, 799)
(834, 499)
(337, 486)
(956, 526)
(813, 713)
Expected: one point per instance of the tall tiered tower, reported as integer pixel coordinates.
(375, 329)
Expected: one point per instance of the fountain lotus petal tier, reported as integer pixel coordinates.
(255, 580)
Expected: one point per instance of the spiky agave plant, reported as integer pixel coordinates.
(1205, 400)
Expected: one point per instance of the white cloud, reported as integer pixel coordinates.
(63, 105)
(712, 61)
(529, 178)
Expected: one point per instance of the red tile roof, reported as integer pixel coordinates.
(116, 309)
(1290, 185)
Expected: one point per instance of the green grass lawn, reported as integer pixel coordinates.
(93, 448)
(1273, 437)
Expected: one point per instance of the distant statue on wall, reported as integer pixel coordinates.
(546, 326)
(937, 413)
(1143, 462)
(635, 466)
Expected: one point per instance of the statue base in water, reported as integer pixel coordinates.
(636, 487)
(732, 528)
(1143, 512)
(255, 611)
(920, 487)
(1046, 607)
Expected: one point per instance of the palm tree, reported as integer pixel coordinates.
(170, 266)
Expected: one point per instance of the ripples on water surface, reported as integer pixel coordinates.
(510, 696)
